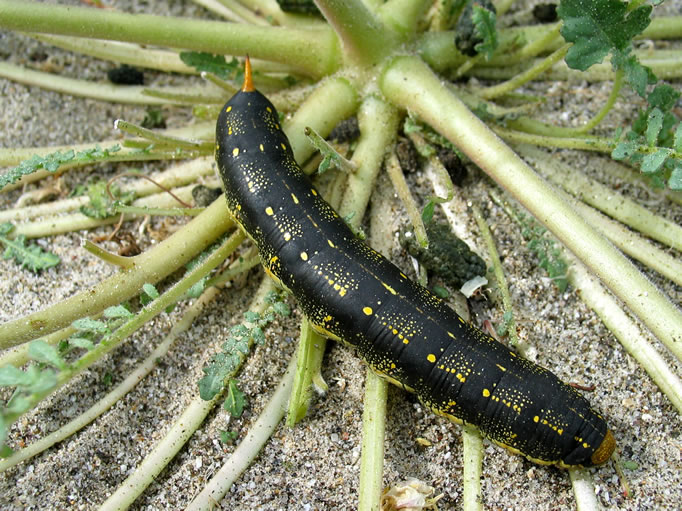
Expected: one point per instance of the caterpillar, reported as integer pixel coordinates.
(351, 293)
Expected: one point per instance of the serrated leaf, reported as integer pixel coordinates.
(485, 21)
(597, 27)
(282, 309)
(251, 317)
(28, 256)
(43, 352)
(235, 400)
(213, 381)
(652, 162)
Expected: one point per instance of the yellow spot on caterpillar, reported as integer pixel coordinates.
(461, 320)
(586, 445)
(560, 431)
(269, 211)
(235, 151)
(367, 310)
(342, 292)
(395, 332)
(283, 146)
(228, 109)
(260, 146)
(331, 244)
(268, 109)
(406, 341)
(295, 198)
(337, 287)
(304, 256)
(452, 335)
(273, 260)
(390, 289)
(327, 319)
(229, 130)
(313, 191)
(486, 393)
(287, 236)
(403, 275)
(431, 357)
(501, 368)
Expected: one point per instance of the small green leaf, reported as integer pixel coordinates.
(652, 162)
(117, 311)
(251, 317)
(440, 292)
(630, 465)
(675, 181)
(624, 150)
(81, 342)
(663, 97)
(653, 127)
(427, 213)
(235, 400)
(208, 62)
(90, 325)
(11, 376)
(149, 294)
(282, 309)
(43, 352)
(28, 256)
(227, 437)
(677, 144)
(213, 381)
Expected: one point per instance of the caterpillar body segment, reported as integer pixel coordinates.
(352, 293)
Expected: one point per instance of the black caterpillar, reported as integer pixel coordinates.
(352, 293)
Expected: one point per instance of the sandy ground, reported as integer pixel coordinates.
(316, 464)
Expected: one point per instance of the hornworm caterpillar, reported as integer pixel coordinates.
(352, 293)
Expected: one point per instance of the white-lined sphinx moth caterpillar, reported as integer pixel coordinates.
(406, 334)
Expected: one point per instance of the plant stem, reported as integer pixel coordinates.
(151, 266)
(373, 430)
(408, 82)
(378, 122)
(473, 468)
(315, 52)
(528, 75)
(364, 38)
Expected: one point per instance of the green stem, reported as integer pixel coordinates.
(378, 122)
(409, 83)
(364, 38)
(473, 469)
(314, 52)
(151, 266)
(373, 430)
(528, 75)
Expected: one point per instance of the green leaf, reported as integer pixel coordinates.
(637, 75)
(485, 21)
(90, 325)
(675, 181)
(427, 213)
(228, 437)
(235, 400)
(624, 150)
(11, 376)
(598, 27)
(28, 256)
(117, 311)
(101, 204)
(652, 162)
(213, 381)
(81, 342)
(43, 352)
(653, 127)
(663, 97)
(210, 63)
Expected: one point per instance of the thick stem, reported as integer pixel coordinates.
(313, 51)
(151, 267)
(409, 83)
